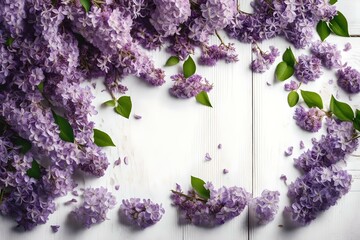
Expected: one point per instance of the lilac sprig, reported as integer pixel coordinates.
(349, 79)
(222, 205)
(97, 202)
(266, 206)
(143, 213)
(315, 192)
(308, 68)
(263, 60)
(309, 120)
(189, 87)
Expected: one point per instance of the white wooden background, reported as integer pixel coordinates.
(250, 119)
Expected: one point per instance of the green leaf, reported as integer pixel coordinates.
(312, 99)
(339, 25)
(23, 143)
(289, 57)
(86, 4)
(66, 131)
(41, 87)
(110, 103)
(124, 106)
(357, 120)
(102, 139)
(173, 60)
(332, 2)
(293, 98)
(198, 185)
(203, 98)
(9, 41)
(323, 30)
(283, 71)
(189, 67)
(341, 110)
(34, 171)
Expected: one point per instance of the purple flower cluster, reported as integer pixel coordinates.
(97, 202)
(328, 53)
(291, 86)
(310, 120)
(315, 192)
(223, 205)
(141, 213)
(349, 79)
(210, 55)
(292, 19)
(330, 148)
(308, 68)
(263, 60)
(266, 206)
(188, 87)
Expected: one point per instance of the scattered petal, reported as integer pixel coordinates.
(117, 162)
(220, 146)
(137, 117)
(302, 145)
(225, 171)
(207, 157)
(126, 160)
(347, 47)
(70, 202)
(289, 151)
(117, 187)
(55, 228)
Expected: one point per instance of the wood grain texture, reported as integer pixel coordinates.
(250, 119)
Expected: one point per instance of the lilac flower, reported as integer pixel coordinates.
(302, 145)
(330, 148)
(210, 55)
(141, 213)
(207, 157)
(349, 80)
(300, 32)
(188, 87)
(223, 205)
(55, 228)
(328, 53)
(266, 206)
(263, 60)
(126, 160)
(347, 47)
(310, 120)
(291, 86)
(315, 192)
(97, 202)
(308, 68)
(289, 151)
(169, 14)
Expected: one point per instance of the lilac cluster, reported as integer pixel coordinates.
(266, 206)
(308, 68)
(292, 19)
(330, 148)
(310, 120)
(315, 192)
(328, 53)
(97, 202)
(141, 213)
(291, 86)
(223, 205)
(210, 55)
(349, 79)
(263, 60)
(188, 87)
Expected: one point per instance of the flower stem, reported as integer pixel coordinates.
(188, 197)
(219, 37)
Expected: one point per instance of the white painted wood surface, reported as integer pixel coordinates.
(250, 119)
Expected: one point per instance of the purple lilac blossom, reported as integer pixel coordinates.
(347, 47)
(223, 205)
(292, 86)
(308, 68)
(310, 120)
(266, 206)
(330, 148)
(143, 213)
(328, 53)
(97, 202)
(55, 228)
(289, 151)
(349, 79)
(188, 87)
(210, 55)
(263, 60)
(315, 192)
